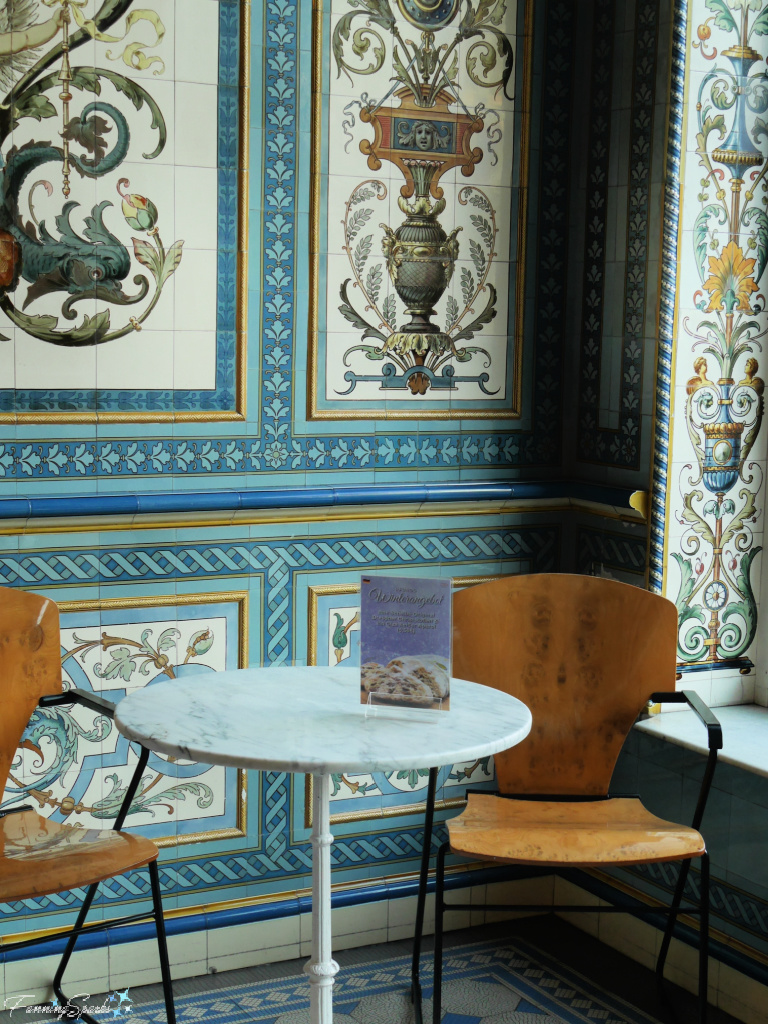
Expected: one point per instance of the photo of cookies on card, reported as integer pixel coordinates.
(393, 685)
(405, 641)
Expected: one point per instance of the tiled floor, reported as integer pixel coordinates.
(571, 947)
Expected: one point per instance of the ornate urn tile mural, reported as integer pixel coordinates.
(715, 519)
(418, 193)
(117, 240)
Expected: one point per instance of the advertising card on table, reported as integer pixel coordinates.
(405, 642)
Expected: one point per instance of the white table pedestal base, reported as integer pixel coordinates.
(322, 968)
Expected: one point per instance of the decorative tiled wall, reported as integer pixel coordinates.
(171, 301)
(139, 610)
(430, 131)
(711, 419)
(622, 122)
(234, 393)
(120, 236)
(240, 237)
(613, 130)
(223, 219)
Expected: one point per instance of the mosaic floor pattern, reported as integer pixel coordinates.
(484, 983)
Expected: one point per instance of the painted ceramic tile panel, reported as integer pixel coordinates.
(74, 766)
(418, 276)
(113, 139)
(336, 632)
(718, 456)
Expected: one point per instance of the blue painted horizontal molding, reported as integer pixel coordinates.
(266, 911)
(399, 889)
(308, 497)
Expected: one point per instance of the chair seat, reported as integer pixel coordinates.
(578, 834)
(39, 856)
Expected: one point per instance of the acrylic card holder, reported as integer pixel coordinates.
(405, 645)
(377, 707)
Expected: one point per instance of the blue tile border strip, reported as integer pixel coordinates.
(307, 497)
(667, 298)
(529, 548)
(273, 910)
(362, 895)
(218, 455)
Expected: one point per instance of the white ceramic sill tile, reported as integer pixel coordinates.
(367, 917)
(282, 931)
(252, 958)
(742, 997)
(745, 730)
(30, 979)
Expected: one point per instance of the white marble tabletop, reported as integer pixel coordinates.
(309, 719)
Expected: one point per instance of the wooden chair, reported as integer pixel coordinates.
(585, 654)
(39, 856)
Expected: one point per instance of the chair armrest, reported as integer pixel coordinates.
(75, 696)
(714, 740)
(695, 703)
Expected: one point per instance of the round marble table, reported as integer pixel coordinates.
(310, 720)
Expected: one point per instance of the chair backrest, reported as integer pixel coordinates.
(30, 664)
(583, 653)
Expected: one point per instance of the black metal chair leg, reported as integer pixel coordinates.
(69, 949)
(165, 967)
(437, 990)
(674, 906)
(426, 852)
(704, 939)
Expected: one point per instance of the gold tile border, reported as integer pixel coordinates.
(523, 115)
(241, 294)
(398, 810)
(240, 597)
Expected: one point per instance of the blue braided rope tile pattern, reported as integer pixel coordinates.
(735, 912)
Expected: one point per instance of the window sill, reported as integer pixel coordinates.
(745, 734)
